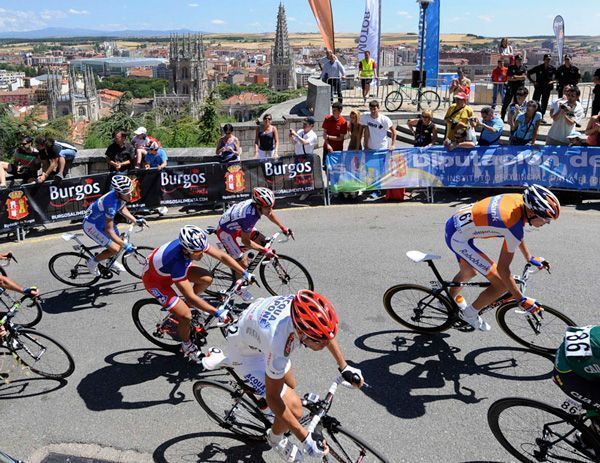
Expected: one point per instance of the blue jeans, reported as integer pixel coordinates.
(67, 154)
(498, 88)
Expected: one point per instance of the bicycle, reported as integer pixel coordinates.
(159, 327)
(234, 406)
(28, 318)
(433, 310)
(430, 99)
(532, 431)
(279, 275)
(38, 351)
(71, 269)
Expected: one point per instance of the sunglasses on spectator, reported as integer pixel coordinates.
(267, 119)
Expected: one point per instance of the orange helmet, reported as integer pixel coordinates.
(314, 316)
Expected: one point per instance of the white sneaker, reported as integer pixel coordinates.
(118, 266)
(288, 452)
(162, 210)
(473, 319)
(245, 294)
(191, 352)
(92, 266)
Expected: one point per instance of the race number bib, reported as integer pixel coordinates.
(463, 218)
(571, 406)
(577, 343)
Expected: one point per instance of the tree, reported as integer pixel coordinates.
(209, 122)
(100, 133)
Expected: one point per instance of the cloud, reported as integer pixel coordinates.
(52, 14)
(217, 22)
(406, 14)
(193, 5)
(14, 20)
(291, 19)
(78, 12)
(484, 18)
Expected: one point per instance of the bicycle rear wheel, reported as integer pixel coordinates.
(148, 316)
(42, 354)
(430, 100)
(223, 276)
(28, 315)
(418, 308)
(284, 275)
(533, 431)
(135, 262)
(346, 447)
(542, 332)
(228, 407)
(393, 101)
(71, 269)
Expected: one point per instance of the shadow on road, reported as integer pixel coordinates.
(413, 365)
(101, 389)
(74, 299)
(27, 387)
(206, 447)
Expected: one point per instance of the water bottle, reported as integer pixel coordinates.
(461, 302)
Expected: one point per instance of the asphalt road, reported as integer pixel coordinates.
(429, 394)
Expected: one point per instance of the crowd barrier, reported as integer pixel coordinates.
(562, 167)
(186, 185)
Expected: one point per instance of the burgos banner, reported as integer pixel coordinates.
(571, 168)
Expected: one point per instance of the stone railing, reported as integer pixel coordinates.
(318, 98)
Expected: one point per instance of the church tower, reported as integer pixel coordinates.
(82, 106)
(282, 72)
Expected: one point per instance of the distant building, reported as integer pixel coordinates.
(282, 72)
(19, 97)
(245, 106)
(81, 105)
(115, 66)
(7, 78)
(162, 71)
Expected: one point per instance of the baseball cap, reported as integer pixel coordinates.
(518, 57)
(310, 120)
(547, 56)
(153, 146)
(461, 95)
(140, 131)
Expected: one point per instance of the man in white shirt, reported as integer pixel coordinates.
(333, 72)
(378, 126)
(565, 113)
(305, 140)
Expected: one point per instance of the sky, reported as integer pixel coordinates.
(493, 18)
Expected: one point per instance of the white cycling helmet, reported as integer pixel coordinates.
(542, 202)
(121, 184)
(193, 238)
(263, 196)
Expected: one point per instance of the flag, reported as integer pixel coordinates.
(431, 43)
(369, 31)
(324, 16)
(559, 33)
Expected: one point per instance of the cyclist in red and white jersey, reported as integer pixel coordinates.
(259, 346)
(171, 264)
(502, 216)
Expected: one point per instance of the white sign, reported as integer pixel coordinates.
(369, 31)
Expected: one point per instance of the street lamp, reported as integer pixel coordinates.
(424, 5)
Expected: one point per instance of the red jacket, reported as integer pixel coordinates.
(499, 74)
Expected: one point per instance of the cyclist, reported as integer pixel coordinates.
(99, 222)
(503, 216)
(577, 369)
(260, 344)
(172, 264)
(239, 220)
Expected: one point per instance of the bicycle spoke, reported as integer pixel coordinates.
(417, 308)
(42, 354)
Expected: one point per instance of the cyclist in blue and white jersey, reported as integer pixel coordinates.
(99, 222)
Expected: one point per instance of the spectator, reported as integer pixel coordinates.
(333, 73)
(461, 83)
(323, 60)
(516, 80)
(56, 156)
(423, 129)
(491, 127)
(335, 129)
(518, 107)
(596, 102)
(526, 125)
(228, 146)
(566, 74)
(506, 51)
(499, 79)
(120, 154)
(545, 75)
(566, 113)
(305, 140)
(355, 130)
(25, 164)
(367, 67)
(140, 142)
(266, 142)
(156, 157)
(458, 115)
(593, 131)
(463, 138)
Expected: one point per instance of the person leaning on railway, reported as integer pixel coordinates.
(457, 116)
(566, 113)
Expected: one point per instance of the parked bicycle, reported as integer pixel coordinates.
(233, 405)
(70, 267)
(430, 100)
(432, 310)
(38, 351)
(533, 432)
(279, 275)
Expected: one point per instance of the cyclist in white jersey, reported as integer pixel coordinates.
(259, 346)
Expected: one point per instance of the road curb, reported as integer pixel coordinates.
(92, 453)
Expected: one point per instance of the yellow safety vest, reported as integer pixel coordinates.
(367, 69)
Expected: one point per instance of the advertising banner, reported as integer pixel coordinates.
(324, 16)
(431, 43)
(559, 34)
(369, 31)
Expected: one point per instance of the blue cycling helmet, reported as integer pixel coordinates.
(193, 238)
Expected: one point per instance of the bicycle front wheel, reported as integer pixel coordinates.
(430, 100)
(393, 101)
(71, 269)
(223, 277)
(542, 332)
(229, 408)
(42, 354)
(346, 447)
(418, 308)
(533, 431)
(285, 275)
(29, 314)
(148, 316)
(135, 262)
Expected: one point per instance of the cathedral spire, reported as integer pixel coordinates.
(282, 72)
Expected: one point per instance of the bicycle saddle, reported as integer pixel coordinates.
(418, 256)
(210, 230)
